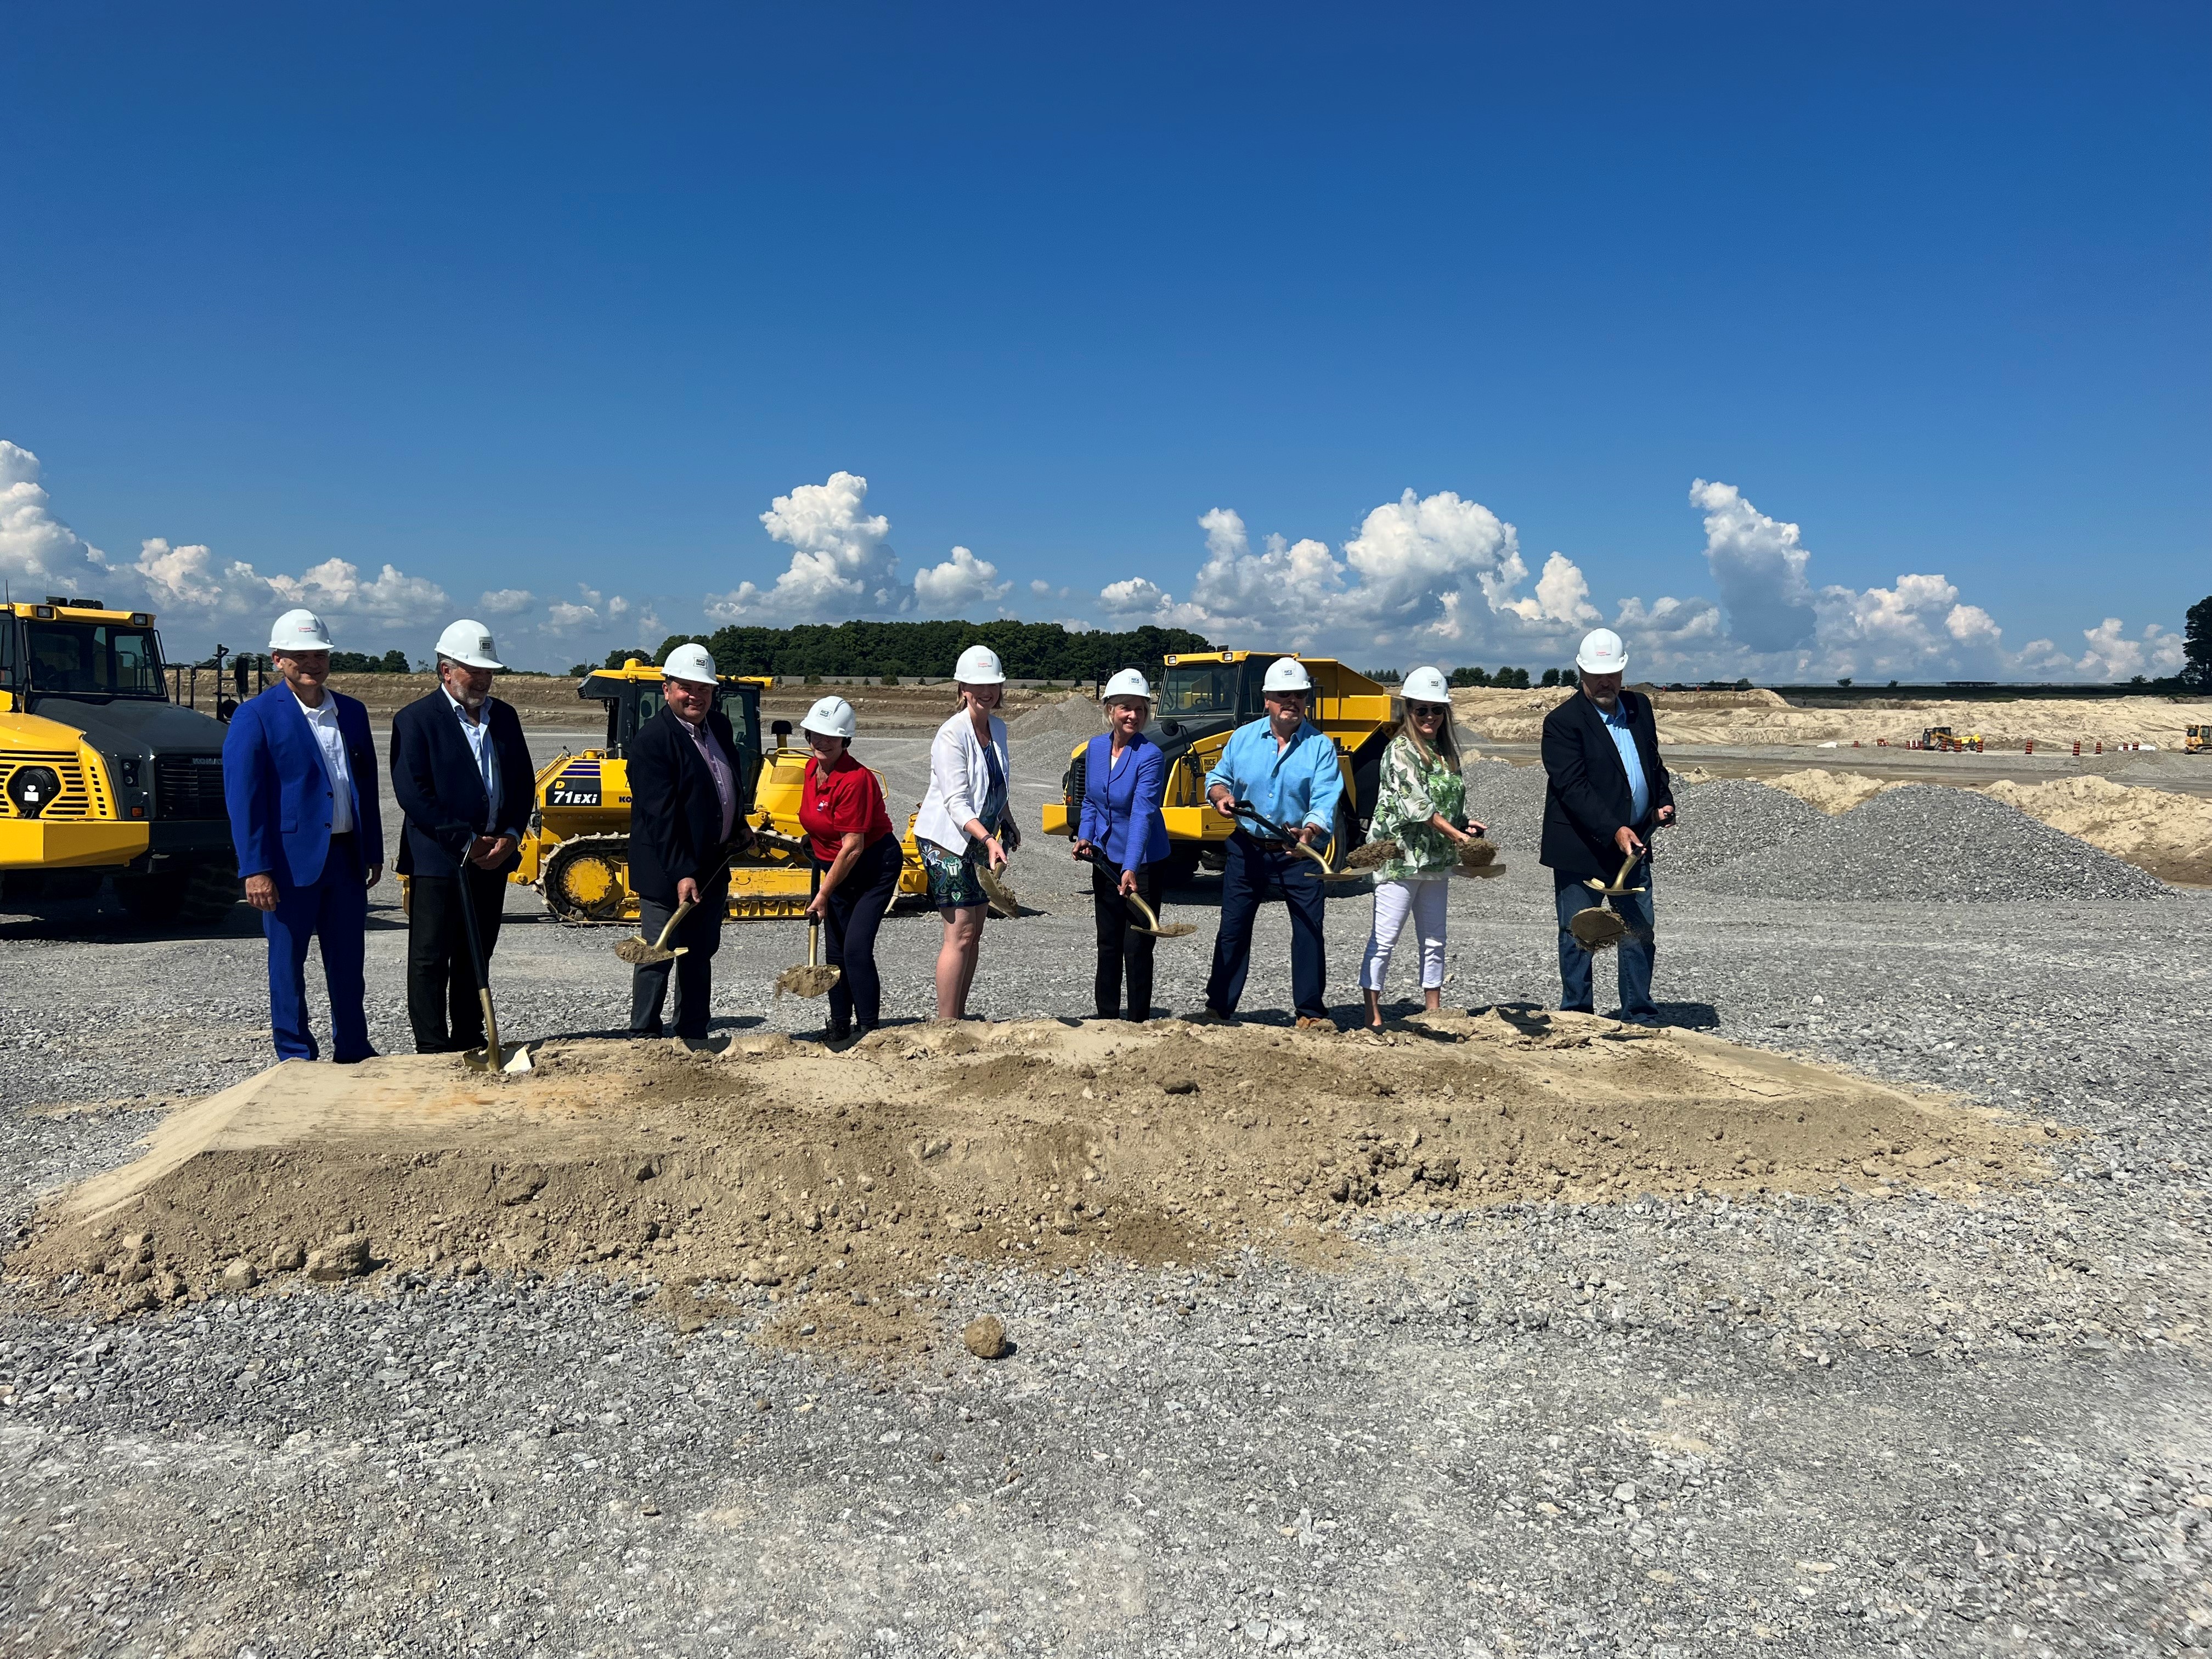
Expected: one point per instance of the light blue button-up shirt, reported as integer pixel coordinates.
(1300, 784)
(477, 733)
(1624, 739)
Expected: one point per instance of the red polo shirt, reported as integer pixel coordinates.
(833, 803)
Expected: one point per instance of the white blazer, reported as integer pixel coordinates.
(958, 781)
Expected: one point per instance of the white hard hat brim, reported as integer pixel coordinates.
(1601, 666)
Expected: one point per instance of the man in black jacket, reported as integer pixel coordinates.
(1606, 790)
(687, 815)
(461, 772)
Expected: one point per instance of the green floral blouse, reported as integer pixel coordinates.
(1409, 794)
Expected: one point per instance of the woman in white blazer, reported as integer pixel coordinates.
(963, 822)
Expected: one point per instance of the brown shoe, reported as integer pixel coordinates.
(1314, 1022)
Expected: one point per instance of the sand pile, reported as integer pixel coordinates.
(823, 1182)
(2167, 833)
(1759, 718)
(1831, 792)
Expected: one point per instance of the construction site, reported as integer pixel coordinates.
(1500, 1329)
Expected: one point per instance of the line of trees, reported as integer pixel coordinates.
(928, 650)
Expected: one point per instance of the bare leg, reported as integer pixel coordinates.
(956, 960)
(1434, 997)
(1375, 1008)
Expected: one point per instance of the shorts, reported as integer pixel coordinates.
(953, 883)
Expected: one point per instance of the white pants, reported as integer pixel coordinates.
(1426, 899)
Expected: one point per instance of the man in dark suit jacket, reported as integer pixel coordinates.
(687, 815)
(299, 777)
(1606, 790)
(461, 772)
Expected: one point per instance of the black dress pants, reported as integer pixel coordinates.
(694, 970)
(441, 980)
(856, 909)
(1120, 950)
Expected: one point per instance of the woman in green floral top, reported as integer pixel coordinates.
(1421, 805)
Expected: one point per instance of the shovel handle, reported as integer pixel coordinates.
(491, 1027)
(675, 920)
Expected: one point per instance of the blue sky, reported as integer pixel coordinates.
(553, 303)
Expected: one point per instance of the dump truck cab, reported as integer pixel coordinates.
(1203, 697)
(101, 775)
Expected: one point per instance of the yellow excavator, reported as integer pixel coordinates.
(102, 775)
(575, 850)
(1205, 696)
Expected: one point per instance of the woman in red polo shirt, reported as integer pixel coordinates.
(840, 807)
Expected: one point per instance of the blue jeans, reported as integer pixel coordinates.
(1254, 872)
(1636, 952)
(333, 913)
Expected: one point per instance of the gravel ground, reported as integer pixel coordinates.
(1937, 845)
(1817, 1424)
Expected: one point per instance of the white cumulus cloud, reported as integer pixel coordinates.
(962, 582)
(1424, 572)
(505, 601)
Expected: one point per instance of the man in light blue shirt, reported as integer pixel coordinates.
(1284, 769)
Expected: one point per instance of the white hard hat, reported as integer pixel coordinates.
(469, 640)
(1602, 652)
(832, 717)
(299, 630)
(1129, 682)
(1286, 674)
(1426, 685)
(691, 662)
(978, 665)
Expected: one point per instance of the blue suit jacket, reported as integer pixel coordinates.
(435, 781)
(1120, 806)
(279, 794)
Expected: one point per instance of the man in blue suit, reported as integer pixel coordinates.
(461, 774)
(299, 774)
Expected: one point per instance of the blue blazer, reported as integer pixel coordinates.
(435, 781)
(1118, 805)
(279, 794)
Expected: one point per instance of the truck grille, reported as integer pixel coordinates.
(188, 787)
(83, 794)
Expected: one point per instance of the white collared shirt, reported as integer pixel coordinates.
(323, 721)
(479, 734)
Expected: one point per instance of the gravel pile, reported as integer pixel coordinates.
(1728, 819)
(1936, 845)
(1072, 716)
(1509, 800)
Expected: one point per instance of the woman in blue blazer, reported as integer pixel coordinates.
(1122, 835)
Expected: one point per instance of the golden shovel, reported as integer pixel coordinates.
(639, 950)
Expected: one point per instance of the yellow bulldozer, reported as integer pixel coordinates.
(2197, 741)
(1205, 696)
(576, 849)
(102, 775)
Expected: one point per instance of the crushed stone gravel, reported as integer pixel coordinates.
(1941, 846)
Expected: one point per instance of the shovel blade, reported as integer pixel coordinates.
(808, 980)
(641, 952)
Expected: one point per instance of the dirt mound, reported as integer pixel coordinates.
(1831, 792)
(1762, 718)
(823, 1182)
(2167, 833)
(1727, 819)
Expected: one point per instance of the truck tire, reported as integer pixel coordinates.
(199, 895)
(1344, 836)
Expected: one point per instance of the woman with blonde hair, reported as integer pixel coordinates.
(964, 824)
(1420, 804)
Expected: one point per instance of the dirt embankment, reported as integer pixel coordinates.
(1756, 718)
(2167, 834)
(825, 1184)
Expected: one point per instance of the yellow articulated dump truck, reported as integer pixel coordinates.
(102, 776)
(1205, 696)
(576, 849)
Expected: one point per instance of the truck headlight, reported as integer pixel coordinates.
(32, 789)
